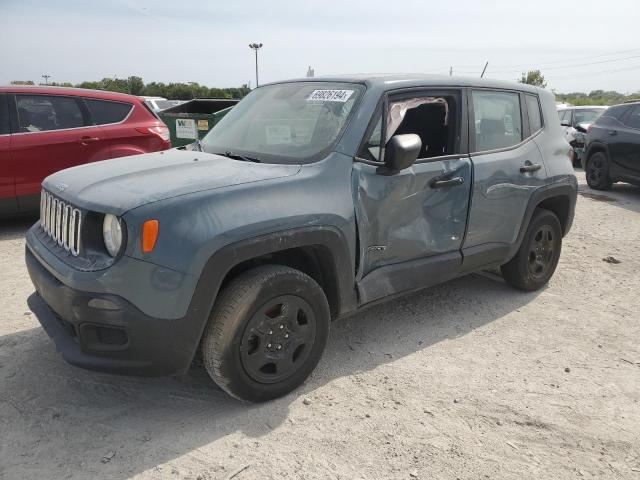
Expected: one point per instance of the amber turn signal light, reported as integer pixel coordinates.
(150, 230)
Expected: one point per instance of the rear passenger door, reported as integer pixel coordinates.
(51, 133)
(507, 167)
(8, 203)
(626, 153)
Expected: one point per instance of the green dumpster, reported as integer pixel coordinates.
(192, 120)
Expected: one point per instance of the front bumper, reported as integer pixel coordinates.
(107, 333)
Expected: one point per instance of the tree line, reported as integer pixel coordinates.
(186, 91)
(136, 86)
(595, 97)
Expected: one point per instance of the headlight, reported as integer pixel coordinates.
(112, 233)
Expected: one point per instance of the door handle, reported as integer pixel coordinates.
(452, 182)
(613, 133)
(530, 167)
(88, 140)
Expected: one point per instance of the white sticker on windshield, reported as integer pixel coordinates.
(278, 134)
(330, 95)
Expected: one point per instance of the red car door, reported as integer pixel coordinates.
(8, 203)
(53, 134)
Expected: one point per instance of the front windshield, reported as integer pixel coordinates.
(285, 123)
(587, 116)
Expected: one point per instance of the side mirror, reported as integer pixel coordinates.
(401, 152)
(565, 124)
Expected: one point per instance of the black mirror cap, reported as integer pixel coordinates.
(401, 152)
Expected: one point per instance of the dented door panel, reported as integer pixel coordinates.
(402, 217)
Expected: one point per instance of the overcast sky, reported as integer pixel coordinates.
(207, 41)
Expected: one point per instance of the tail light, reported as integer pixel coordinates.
(570, 154)
(161, 131)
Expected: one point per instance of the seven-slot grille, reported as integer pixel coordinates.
(61, 222)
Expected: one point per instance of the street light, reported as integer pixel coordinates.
(46, 78)
(255, 47)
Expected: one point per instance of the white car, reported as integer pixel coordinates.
(160, 103)
(575, 121)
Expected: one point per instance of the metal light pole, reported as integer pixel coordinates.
(255, 47)
(46, 79)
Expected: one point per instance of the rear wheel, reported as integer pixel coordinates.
(266, 333)
(538, 256)
(597, 171)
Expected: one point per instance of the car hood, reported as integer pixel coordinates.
(118, 185)
(583, 127)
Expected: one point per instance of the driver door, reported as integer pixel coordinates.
(411, 224)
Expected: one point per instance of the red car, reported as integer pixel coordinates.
(46, 129)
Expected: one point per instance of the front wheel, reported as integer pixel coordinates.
(538, 255)
(266, 333)
(597, 172)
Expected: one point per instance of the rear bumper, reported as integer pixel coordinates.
(105, 332)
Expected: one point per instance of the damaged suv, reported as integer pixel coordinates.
(311, 199)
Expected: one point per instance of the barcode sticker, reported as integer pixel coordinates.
(330, 95)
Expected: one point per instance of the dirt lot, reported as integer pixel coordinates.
(468, 380)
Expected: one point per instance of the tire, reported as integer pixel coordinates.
(597, 171)
(538, 255)
(266, 333)
(575, 159)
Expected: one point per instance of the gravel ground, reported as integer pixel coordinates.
(467, 380)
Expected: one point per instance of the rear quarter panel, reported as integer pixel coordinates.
(553, 144)
(125, 140)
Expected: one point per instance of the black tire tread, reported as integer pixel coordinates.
(606, 183)
(234, 295)
(513, 271)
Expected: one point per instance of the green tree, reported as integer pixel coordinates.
(533, 77)
(172, 91)
(136, 85)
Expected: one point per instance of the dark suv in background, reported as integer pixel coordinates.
(613, 147)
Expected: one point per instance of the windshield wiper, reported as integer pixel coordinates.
(237, 156)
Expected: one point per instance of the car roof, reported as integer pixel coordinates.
(78, 92)
(585, 107)
(393, 81)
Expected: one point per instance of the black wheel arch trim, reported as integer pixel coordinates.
(596, 146)
(568, 190)
(224, 260)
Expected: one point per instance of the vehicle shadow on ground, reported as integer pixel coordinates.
(146, 422)
(14, 228)
(622, 195)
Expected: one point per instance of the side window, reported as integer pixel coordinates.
(371, 148)
(535, 118)
(433, 118)
(498, 119)
(39, 113)
(104, 111)
(633, 118)
(4, 115)
(612, 115)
